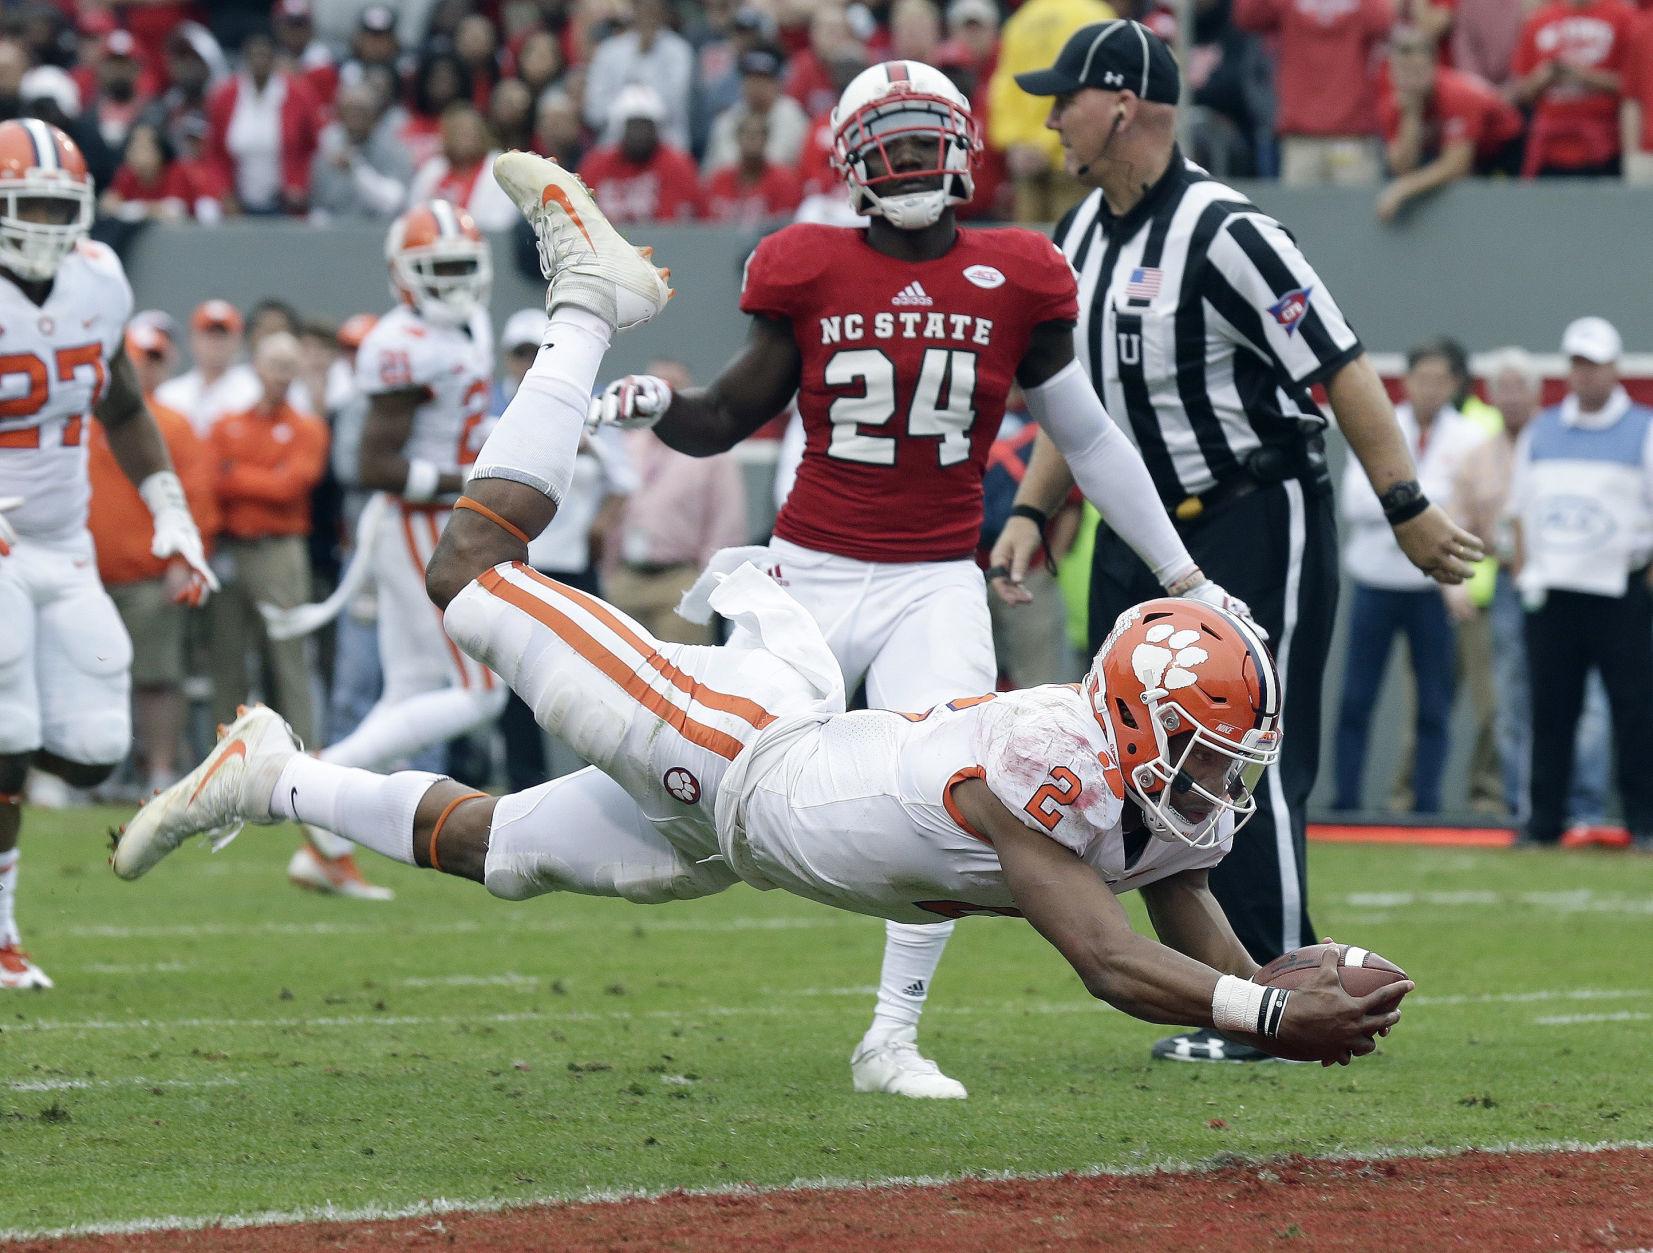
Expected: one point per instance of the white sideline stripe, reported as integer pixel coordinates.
(131, 1081)
(139, 968)
(190, 930)
(1573, 1020)
(732, 1011)
(599, 1196)
(1582, 900)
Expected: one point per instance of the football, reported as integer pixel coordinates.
(1360, 970)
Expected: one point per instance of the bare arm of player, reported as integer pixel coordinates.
(1069, 904)
(753, 388)
(1187, 917)
(383, 467)
(1431, 540)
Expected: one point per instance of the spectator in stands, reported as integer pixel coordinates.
(783, 118)
(815, 162)
(641, 178)
(1582, 503)
(477, 43)
(361, 168)
(116, 99)
(295, 31)
(648, 54)
(511, 114)
(440, 82)
(152, 183)
(682, 511)
(49, 94)
(1567, 67)
(14, 64)
(194, 66)
(1231, 82)
(1432, 18)
(1439, 124)
(727, 35)
(753, 190)
(1636, 108)
(1032, 37)
(809, 78)
(1392, 596)
(1480, 499)
(915, 30)
(974, 26)
(269, 458)
(1484, 36)
(462, 172)
(558, 132)
(140, 584)
(216, 385)
(262, 130)
(374, 47)
(570, 548)
(1328, 94)
(540, 62)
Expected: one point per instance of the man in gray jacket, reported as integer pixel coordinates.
(360, 169)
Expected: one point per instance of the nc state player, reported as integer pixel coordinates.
(426, 368)
(901, 341)
(65, 658)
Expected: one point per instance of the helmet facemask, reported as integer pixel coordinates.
(1197, 776)
(872, 130)
(448, 281)
(32, 248)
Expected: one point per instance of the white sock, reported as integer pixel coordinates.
(373, 810)
(8, 894)
(911, 954)
(538, 435)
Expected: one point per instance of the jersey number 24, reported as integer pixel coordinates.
(943, 405)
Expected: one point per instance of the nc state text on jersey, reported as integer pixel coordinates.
(961, 328)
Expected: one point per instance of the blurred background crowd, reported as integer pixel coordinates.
(716, 109)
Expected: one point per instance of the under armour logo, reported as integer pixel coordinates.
(1113, 78)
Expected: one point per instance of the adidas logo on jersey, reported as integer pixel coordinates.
(912, 294)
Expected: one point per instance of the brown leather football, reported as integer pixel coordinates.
(1360, 970)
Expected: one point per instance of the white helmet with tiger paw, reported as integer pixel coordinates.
(893, 100)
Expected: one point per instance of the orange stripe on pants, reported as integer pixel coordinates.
(630, 682)
(740, 706)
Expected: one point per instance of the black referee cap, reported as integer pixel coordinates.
(1115, 56)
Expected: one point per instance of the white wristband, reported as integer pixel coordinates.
(162, 492)
(1252, 1008)
(422, 482)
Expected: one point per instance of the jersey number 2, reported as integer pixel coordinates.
(1062, 789)
(943, 405)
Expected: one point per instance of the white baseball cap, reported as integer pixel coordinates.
(639, 101)
(525, 326)
(1594, 339)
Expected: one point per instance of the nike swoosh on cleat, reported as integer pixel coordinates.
(553, 192)
(235, 748)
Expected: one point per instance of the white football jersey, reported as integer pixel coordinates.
(53, 369)
(858, 811)
(454, 365)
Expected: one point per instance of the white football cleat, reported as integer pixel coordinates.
(231, 787)
(334, 876)
(584, 259)
(893, 1064)
(17, 971)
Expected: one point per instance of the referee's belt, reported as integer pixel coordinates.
(1265, 467)
(1193, 508)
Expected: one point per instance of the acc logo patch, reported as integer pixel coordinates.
(1291, 308)
(984, 276)
(683, 785)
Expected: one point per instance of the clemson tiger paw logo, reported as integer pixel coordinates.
(1168, 659)
(683, 785)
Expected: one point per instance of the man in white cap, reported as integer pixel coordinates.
(643, 178)
(1582, 504)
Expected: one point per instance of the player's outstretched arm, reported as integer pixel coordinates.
(1187, 917)
(753, 388)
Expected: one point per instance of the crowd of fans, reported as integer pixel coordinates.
(717, 109)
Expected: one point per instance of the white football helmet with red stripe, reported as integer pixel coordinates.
(439, 262)
(45, 198)
(893, 100)
(1190, 700)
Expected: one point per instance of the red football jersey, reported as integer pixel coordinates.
(906, 365)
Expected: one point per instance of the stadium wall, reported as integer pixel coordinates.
(1490, 264)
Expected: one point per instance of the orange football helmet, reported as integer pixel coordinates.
(1190, 700)
(45, 197)
(439, 262)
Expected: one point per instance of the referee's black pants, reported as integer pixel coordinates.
(1571, 633)
(1276, 549)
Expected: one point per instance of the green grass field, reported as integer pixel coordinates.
(220, 1043)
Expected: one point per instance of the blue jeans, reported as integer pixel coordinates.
(1587, 801)
(1376, 615)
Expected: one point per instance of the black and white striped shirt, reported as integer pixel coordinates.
(1202, 327)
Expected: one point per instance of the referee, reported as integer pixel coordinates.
(1203, 328)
